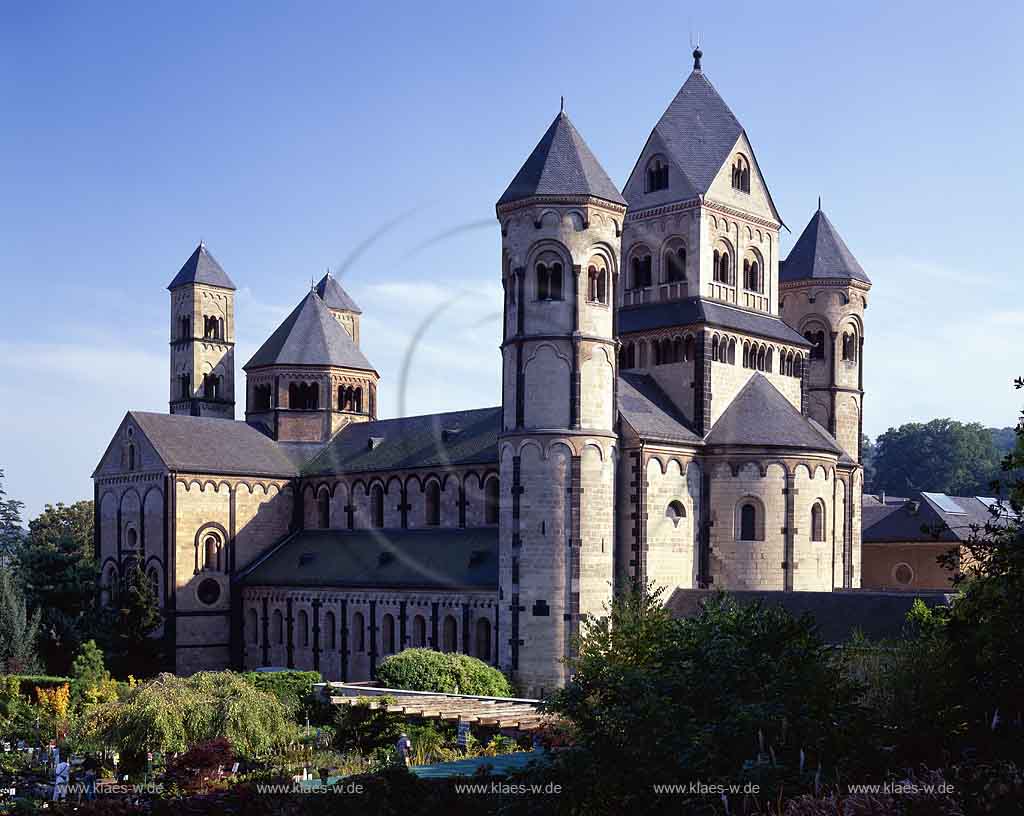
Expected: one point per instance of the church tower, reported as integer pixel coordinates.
(561, 218)
(823, 294)
(202, 338)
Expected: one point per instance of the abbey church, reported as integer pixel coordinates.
(680, 405)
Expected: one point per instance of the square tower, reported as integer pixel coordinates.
(202, 376)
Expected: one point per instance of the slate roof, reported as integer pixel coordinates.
(920, 519)
(206, 445)
(650, 412)
(310, 336)
(561, 164)
(693, 311)
(760, 415)
(442, 557)
(820, 252)
(202, 267)
(698, 131)
(332, 294)
(879, 615)
(413, 442)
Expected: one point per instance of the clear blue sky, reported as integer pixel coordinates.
(286, 134)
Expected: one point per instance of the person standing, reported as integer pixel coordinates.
(404, 749)
(61, 772)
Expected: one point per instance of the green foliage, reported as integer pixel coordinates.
(11, 532)
(58, 574)
(294, 689)
(174, 713)
(92, 681)
(361, 728)
(942, 455)
(655, 699)
(132, 650)
(451, 673)
(19, 631)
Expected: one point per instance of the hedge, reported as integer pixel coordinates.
(27, 682)
(292, 688)
(450, 673)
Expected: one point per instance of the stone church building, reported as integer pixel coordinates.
(680, 405)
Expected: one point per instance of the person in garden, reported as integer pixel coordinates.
(61, 772)
(403, 748)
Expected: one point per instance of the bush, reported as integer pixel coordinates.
(174, 713)
(449, 673)
(294, 690)
(200, 764)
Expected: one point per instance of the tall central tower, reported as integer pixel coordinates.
(561, 218)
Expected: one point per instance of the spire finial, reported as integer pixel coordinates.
(819, 203)
(561, 106)
(697, 54)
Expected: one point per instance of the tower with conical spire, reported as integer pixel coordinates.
(341, 304)
(202, 381)
(561, 219)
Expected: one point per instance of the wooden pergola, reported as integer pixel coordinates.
(496, 712)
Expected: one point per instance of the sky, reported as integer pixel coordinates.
(373, 139)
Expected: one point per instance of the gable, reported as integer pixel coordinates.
(116, 457)
(679, 186)
(758, 201)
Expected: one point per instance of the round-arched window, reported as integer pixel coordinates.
(675, 512)
(208, 591)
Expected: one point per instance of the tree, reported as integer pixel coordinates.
(11, 532)
(867, 459)
(19, 631)
(942, 456)
(132, 648)
(58, 574)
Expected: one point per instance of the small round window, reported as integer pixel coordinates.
(903, 574)
(209, 591)
(675, 512)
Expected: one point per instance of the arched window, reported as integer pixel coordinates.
(252, 633)
(131, 457)
(131, 538)
(665, 351)
(388, 628)
(688, 348)
(278, 627)
(450, 639)
(483, 639)
(714, 348)
(675, 265)
(419, 631)
(358, 632)
(597, 284)
(741, 174)
(721, 269)
(184, 328)
(549, 281)
(154, 582)
(357, 401)
(641, 267)
(675, 512)
(491, 500)
(433, 502)
(185, 385)
(732, 351)
(304, 396)
(849, 346)
(261, 397)
(817, 341)
(748, 522)
(323, 509)
(110, 593)
(818, 521)
(768, 360)
(211, 552)
(330, 628)
(303, 629)
(657, 175)
(377, 506)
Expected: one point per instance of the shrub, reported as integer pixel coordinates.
(364, 729)
(294, 689)
(449, 673)
(201, 763)
(172, 713)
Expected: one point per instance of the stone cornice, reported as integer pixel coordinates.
(697, 203)
(579, 200)
(803, 283)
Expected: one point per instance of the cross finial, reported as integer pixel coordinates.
(697, 54)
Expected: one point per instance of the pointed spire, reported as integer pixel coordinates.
(561, 107)
(819, 203)
(820, 252)
(202, 267)
(332, 293)
(561, 165)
